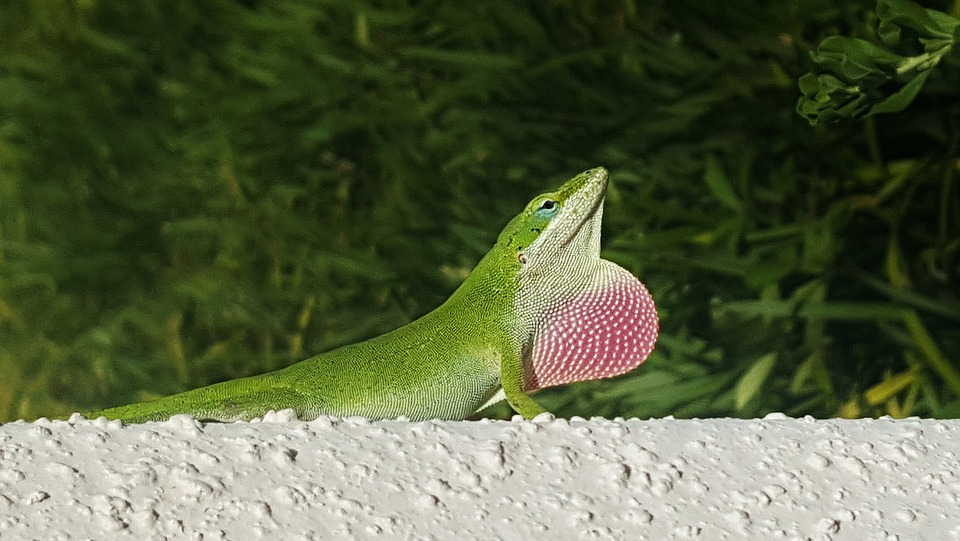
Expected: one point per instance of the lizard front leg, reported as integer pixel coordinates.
(511, 379)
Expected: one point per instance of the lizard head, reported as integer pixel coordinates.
(558, 226)
(579, 317)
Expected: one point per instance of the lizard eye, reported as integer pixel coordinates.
(547, 208)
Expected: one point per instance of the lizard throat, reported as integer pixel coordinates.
(590, 216)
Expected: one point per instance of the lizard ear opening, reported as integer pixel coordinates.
(602, 332)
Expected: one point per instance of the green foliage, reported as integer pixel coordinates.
(191, 192)
(861, 78)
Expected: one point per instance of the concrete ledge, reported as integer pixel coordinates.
(775, 478)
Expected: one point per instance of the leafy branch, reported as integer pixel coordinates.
(859, 78)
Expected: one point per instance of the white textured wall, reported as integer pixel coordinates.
(775, 478)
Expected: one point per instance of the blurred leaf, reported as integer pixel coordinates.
(753, 380)
(883, 391)
(930, 352)
(462, 59)
(837, 310)
(812, 371)
(720, 185)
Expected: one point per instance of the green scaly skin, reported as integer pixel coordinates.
(451, 362)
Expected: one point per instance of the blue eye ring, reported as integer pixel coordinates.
(548, 208)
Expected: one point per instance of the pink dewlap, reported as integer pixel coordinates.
(601, 333)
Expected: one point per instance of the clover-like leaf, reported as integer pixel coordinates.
(858, 78)
(896, 15)
(856, 59)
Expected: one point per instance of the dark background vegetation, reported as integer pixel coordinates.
(197, 191)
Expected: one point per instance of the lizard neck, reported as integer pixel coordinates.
(485, 301)
(496, 297)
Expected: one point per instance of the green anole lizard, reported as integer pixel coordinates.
(540, 309)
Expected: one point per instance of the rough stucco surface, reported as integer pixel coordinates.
(774, 478)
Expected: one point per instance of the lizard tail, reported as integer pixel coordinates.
(235, 400)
